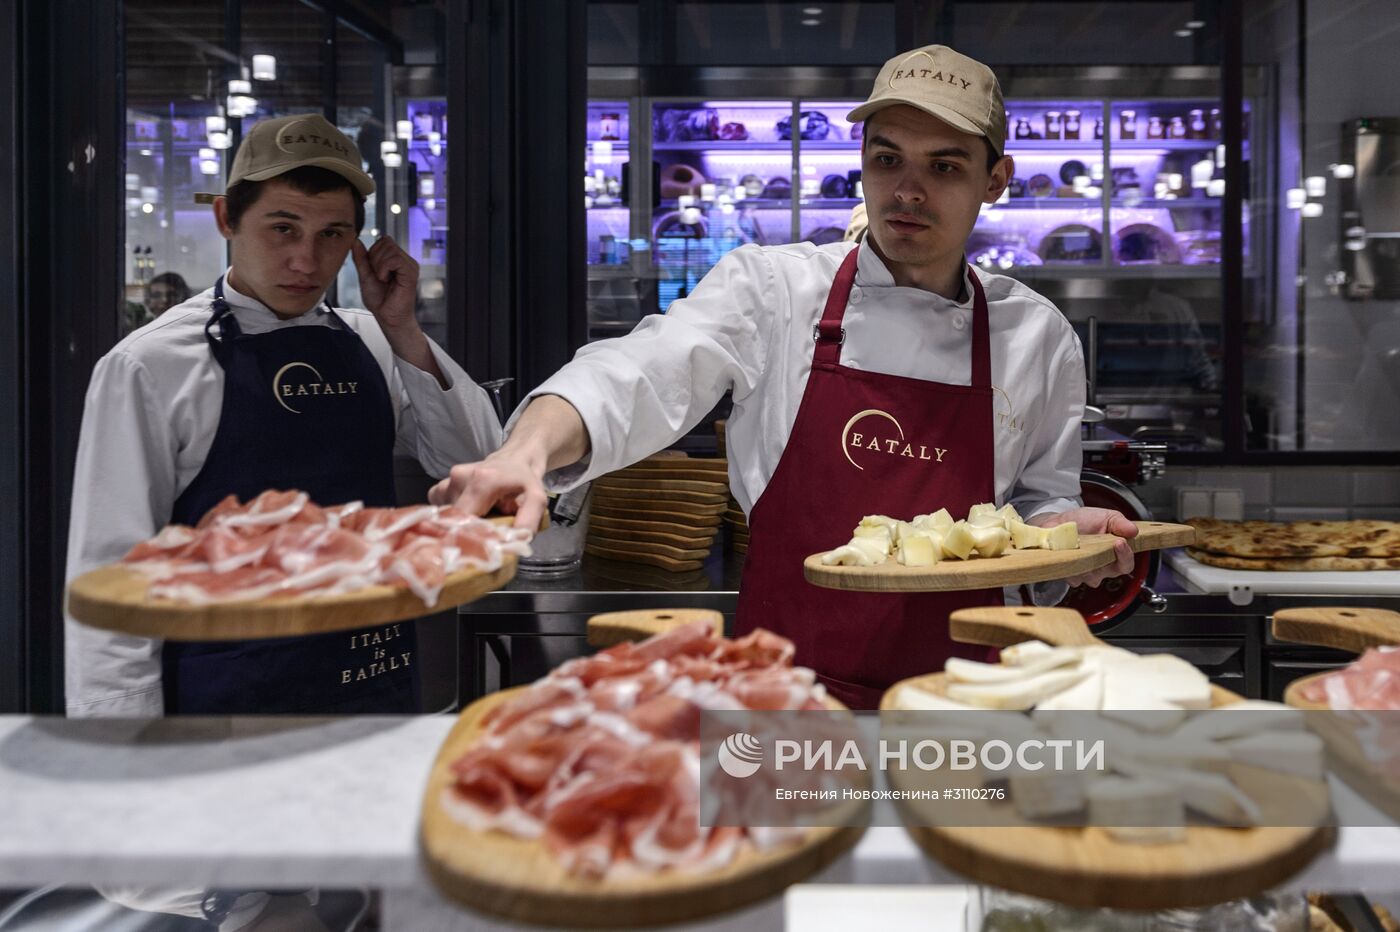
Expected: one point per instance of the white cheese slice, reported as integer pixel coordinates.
(958, 542)
(873, 532)
(1253, 716)
(1137, 811)
(1018, 654)
(939, 520)
(987, 519)
(1019, 695)
(918, 551)
(986, 508)
(1087, 694)
(1041, 794)
(846, 555)
(1210, 793)
(1009, 514)
(1027, 536)
(970, 671)
(911, 698)
(1174, 680)
(1298, 752)
(990, 541)
(877, 547)
(884, 521)
(1063, 537)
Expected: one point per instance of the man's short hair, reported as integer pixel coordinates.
(308, 179)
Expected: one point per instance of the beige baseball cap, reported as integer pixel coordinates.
(958, 90)
(275, 147)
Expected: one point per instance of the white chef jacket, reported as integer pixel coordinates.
(149, 420)
(747, 328)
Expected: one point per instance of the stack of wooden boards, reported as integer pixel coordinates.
(663, 511)
(1292, 546)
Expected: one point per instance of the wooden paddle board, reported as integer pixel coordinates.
(611, 482)
(633, 512)
(648, 493)
(632, 545)
(518, 880)
(676, 537)
(643, 576)
(1083, 866)
(615, 627)
(1013, 568)
(651, 559)
(1355, 630)
(680, 472)
(647, 508)
(114, 598)
(678, 461)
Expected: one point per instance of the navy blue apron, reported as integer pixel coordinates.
(304, 408)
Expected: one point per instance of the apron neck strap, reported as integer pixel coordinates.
(228, 324)
(829, 334)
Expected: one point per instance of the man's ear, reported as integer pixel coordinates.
(221, 217)
(999, 178)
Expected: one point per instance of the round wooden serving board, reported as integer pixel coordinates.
(1353, 629)
(517, 879)
(1013, 568)
(114, 597)
(1083, 866)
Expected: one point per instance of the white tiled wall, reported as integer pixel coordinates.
(1286, 493)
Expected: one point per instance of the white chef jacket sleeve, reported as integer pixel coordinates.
(640, 393)
(1049, 481)
(438, 426)
(123, 489)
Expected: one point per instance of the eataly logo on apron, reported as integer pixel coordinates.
(284, 389)
(879, 437)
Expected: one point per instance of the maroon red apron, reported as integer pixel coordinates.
(866, 443)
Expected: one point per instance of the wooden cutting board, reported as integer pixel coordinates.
(647, 508)
(648, 577)
(651, 559)
(634, 546)
(1085, 867)
(518, 880)
(634, 511)
(1353, 629)
(1013, 568)
(650, 493)
(114, 598)
(678, 461)
(703, 487)
(615, 627)
(674, 537)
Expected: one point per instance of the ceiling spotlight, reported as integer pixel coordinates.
(811, 22)
(403, 129)
(1312, 209)
(1343, 170)
(812, 10)
(264, 68)
(1295, 197)
(147, 208)
(395, 209)
(1315, 185)
(1195, 23)
(1184, 33)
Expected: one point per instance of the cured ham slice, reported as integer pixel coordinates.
(307, 549)
(600, 759)
(1371, 683)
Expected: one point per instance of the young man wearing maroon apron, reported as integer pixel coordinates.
(888, 377)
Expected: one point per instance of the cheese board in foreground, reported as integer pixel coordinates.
(517, 879)
(115, 598)
(1355, 630)
(1083, 866)
(1012, 568)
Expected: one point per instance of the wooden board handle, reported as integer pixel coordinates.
(1353, 629)
(1158, 535)
(616, 627)
(998, 626)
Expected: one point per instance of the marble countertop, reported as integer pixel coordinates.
(238, 802)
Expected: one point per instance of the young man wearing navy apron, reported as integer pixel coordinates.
(256, 384)
(881, 377)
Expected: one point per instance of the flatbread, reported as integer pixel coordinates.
(1270, 539)
(1294, 564)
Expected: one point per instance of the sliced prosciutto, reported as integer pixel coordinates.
(599, 761)
(281, 543)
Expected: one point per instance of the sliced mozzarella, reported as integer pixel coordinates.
(1253, 716)
(1087, 694)
(1018, 654)
(987, 519)
(1298, 752)
(873, 532)
(986, 508)
(970, 671)
(939, 520)
(1210, 793)
(1138, 811)
(878, 548)
(884, 521)
(847, 555)
(1019, 695)
(1040, 794)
